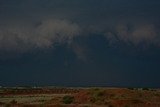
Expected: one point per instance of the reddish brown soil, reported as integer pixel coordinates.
(90, 97)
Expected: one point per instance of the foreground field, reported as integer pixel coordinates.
(79, 97)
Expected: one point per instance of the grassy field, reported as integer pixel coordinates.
(79, 97)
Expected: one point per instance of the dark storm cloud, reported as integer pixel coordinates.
(21, 37)
(58, 41)
(111, 17)
(137, 34)
(41, 24)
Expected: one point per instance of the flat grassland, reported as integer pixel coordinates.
(79, 97)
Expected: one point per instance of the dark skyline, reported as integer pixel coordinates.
(80, 43)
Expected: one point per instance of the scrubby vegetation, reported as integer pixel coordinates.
(83, 97)
(97, 96)
(68, 99)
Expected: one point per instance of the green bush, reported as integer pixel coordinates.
(98, 96)
(13, 102)
(145, 89)
(130, 88)
(68, 99)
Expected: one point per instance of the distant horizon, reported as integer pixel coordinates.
(98, 86)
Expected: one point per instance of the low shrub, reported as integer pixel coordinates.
(68, 99)
(13, 102)
(145, 89)
(98, 96)
(131, 88)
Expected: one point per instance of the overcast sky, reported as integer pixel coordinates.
(80, 43)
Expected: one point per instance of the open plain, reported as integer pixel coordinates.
(79, 97)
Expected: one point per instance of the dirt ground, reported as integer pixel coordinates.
(79, 97)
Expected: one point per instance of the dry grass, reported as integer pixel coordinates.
(89, 97)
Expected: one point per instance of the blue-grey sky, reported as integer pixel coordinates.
(80, 43)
